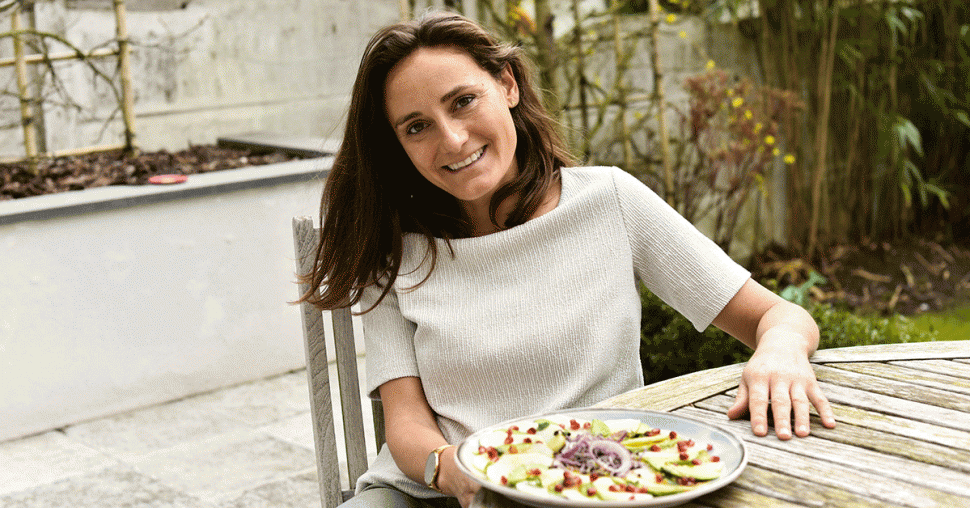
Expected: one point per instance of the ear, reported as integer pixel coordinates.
(511, 87)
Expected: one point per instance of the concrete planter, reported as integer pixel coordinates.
(120, 297)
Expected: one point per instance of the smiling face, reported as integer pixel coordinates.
(452, 118)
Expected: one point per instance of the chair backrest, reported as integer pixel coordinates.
(305, 240)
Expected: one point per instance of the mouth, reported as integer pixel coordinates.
(458, 166)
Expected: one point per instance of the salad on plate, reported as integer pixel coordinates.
(563, 457)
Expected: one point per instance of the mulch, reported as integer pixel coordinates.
(20, 180)
(906, 277)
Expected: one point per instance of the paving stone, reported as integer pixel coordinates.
(115, 487)
(135, 434)
(263, 401)
(45, 458)
(301, 491)
(222, 468)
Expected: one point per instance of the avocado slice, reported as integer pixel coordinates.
(703, 471)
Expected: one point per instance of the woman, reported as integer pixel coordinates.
(499, 282)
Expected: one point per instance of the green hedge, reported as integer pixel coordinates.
(670, 346)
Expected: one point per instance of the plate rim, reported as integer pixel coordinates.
(655, 502)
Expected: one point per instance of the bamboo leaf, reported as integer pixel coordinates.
(908, 134)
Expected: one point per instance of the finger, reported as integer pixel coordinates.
(822, 405)
(800, 407)
(758, 408)
(781, 408)
(740, 403)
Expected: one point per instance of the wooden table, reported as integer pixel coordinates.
(903, 434)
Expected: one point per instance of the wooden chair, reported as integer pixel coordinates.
(305, 239)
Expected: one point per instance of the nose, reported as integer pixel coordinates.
(454, 134)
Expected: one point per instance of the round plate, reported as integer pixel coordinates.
(733, 455)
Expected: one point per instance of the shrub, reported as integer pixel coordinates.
(670, 346)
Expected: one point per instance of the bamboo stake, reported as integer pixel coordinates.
(40, 58)
(621, 96)
(658, 88)
(26, 112)
(124, 69)
(827, 65)
(581, 73)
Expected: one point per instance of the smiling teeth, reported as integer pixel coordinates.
(471, 158)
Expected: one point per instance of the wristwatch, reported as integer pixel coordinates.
(432, 468)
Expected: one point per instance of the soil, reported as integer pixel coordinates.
(905, 277)
(18, 180)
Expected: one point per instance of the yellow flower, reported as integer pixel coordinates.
(757, 127)
(737, 102)
(789, 158)
(776, 152)
(748, 114)
(671, 18)
(710, 64)
(683, 34)
(769, 140)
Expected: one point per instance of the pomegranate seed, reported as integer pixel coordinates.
(630, 488)
(587, 425)
(710, 447)
(593, 477)
(527, 440)
(614, 488)
(505, 481)
(696, 462)
(531, 430)
(573, 424)
(558, 487)
(683, 455)
(659, 478)
(591, 491)
(715, 459)
(655, 448)
(673, 435)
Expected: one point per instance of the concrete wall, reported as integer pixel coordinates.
(121, 297)
(210, 68)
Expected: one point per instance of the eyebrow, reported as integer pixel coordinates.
(445, 98)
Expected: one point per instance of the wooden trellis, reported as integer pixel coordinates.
(29, 115)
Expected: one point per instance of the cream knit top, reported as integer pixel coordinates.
(542, 316)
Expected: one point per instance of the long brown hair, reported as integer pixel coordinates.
(374, 194)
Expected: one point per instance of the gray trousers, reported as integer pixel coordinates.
(388, 497)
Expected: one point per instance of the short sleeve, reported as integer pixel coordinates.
(674, 260)
(388, 339)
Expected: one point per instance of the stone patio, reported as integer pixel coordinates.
(245, 446)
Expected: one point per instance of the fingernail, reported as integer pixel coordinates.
(760, 429)
(802, 429)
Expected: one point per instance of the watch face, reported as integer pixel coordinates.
(429, 468)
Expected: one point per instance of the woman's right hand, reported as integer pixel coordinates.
(453, 482)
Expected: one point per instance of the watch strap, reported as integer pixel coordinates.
(433, 484)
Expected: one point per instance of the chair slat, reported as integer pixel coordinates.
(318, 376)
(350, 400)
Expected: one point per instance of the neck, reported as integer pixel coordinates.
(477, 213)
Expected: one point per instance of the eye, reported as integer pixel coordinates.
(463, 101)
(414, 128)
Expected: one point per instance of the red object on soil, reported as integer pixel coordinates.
(167, 179)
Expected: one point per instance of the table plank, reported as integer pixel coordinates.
(912, 371)
(907, 409)
(741, 498)
(850, 479)
(670, 394)
(898, 388)
(860, 459)
(899, 425)
(797, 488)
(867, 437)
(946, 367)
(887, 352)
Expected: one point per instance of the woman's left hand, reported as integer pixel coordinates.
(780, 376)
